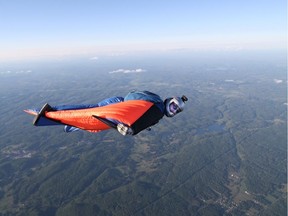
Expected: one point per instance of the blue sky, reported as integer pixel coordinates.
(38, 28)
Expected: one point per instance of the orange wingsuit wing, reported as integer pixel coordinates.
(126, 112)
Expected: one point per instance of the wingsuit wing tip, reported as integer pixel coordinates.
(30, 111)
(36, 112)
(41, 114)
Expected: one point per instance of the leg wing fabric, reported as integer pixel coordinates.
(126, 112)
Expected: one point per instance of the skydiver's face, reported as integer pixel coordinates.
(174, 108)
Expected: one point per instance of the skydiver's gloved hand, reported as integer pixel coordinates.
(124, 130)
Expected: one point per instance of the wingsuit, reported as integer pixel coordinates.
(135, 112)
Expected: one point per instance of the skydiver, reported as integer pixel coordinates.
(137, 111)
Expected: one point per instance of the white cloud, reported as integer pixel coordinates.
(95, 58)
(277, 81)
(139, 70)
(15, 72)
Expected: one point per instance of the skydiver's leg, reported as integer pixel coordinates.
(69, 107)
(86, 106)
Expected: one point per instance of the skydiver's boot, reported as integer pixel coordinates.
(44, 109)
(124, 130)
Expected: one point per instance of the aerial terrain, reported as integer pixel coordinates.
(225, 154)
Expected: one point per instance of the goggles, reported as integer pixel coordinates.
(174, 105)
(174, 108)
